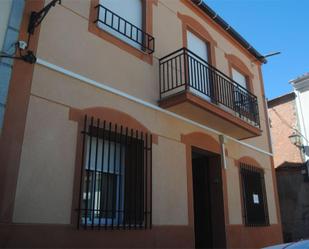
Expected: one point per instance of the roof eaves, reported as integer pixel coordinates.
(281, 99)
(213, 15)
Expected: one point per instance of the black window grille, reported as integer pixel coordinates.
(254, 196)
(116, 173)
(129, 32)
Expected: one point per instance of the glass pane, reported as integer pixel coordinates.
(99, 195)
(129, 10)
(102, 156)
(197, 46)
(241, 102)
(199, 74)
(239, 78)
(102, 193)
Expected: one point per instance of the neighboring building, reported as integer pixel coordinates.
(301, 89)
(293, 189)
(291, 167)
(283, 123)
(145, 120)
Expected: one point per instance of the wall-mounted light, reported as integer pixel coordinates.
(36, 17)
(296, 140)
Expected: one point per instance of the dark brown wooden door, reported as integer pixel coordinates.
(202, 206)
(209, 222)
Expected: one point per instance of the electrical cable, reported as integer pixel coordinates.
(28, 57)
(288, 125)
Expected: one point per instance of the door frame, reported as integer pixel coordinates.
(204, 142)
(214, 186)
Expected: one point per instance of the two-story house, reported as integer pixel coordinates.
(142, 124)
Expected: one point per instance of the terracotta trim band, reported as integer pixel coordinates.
(190, 24)
(111, 115)
(249, 161)
(67, 236)
(208, 143)
(39, 235)
(12, 136)
(241, 236)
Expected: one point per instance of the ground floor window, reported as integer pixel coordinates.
(254, 196)
(115, 189)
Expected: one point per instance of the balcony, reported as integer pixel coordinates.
(192, 88)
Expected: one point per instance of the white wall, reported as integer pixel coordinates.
(301, 89)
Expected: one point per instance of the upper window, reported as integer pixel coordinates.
(254, 196)
(197, 46)
(243, 102)
(240, 78)
(199, 74)
(116, 177)
(125, 20)
(240, 72)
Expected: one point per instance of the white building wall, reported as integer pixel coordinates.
(301, 89)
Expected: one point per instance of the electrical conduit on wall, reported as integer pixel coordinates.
(142, 102)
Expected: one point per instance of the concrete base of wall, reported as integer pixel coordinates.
(240, 236)
(67, 236)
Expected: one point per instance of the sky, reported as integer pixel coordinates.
(271, 26)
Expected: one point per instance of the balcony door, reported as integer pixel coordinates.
(241, 100)
(239, 78)
(199, 74)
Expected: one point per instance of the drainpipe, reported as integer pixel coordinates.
(222, 140)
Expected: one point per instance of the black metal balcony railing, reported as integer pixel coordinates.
(126, 29)
(183, 71)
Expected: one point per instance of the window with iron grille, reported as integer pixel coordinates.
(126, 21)
(115, 184)
(254, 196)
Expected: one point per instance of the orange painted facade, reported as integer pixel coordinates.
(83, 70)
